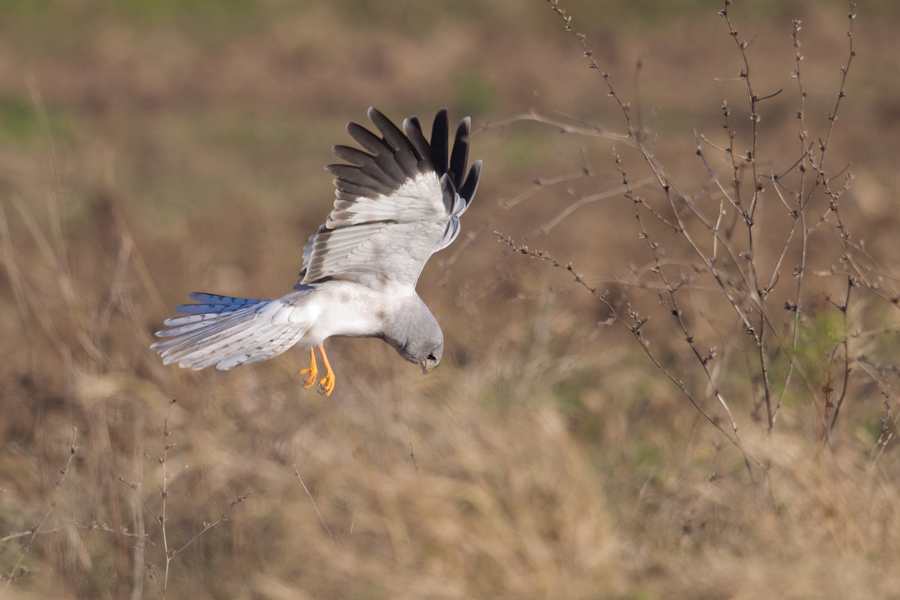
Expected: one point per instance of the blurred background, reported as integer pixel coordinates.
(153, 148)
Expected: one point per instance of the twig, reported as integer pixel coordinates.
(24, 548)
(412, 454)
(93, 527)
(305, 489)
(635, 329)
(162, 516)
(208, 526)
(834, 195)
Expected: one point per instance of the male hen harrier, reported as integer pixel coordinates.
(397, 203)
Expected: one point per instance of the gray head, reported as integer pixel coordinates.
(415, 334)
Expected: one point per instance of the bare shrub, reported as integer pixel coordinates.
(751, 236)
(160, 515)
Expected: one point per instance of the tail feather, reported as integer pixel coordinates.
(205, 348)
(240, 340)
(179, 326)
(216, 300)
(272, 348)
(211, 304)
(228, 332)
(183, 336)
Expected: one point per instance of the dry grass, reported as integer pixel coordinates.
(547, 457)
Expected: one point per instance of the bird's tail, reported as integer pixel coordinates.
(228, 332)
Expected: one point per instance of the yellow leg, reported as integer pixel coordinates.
(327, 382)
(312, 370)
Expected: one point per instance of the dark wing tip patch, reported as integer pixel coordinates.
(468, 189)
(399, 155)
(382, 167)
(388, 162)
(440, 133)
(460, 156)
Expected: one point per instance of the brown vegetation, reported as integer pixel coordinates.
(702, 406)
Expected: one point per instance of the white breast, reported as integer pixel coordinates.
(345, 308)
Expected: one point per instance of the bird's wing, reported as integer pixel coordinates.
(398, 202)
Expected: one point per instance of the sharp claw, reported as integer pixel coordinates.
(311, 380)
(327, 384)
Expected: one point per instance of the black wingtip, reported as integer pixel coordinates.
(368, 140)
(413, 131)
(389, 131)
(404, 152)
(470, 187)
(440, 133)
(381, 122)
(460, 155)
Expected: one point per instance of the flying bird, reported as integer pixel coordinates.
(398, 201)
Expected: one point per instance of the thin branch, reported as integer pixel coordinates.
(208, 526)
(305, 489)
(635, 329)
(93, 527)
(24, 548)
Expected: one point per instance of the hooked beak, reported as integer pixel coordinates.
(425, 368)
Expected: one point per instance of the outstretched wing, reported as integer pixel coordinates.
(398, 202)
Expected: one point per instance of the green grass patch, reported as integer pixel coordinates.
(21, 124)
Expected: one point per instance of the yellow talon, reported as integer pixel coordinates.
(312, 370)
(327, 382)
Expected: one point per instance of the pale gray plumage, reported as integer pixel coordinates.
(415, 333)
(397, 202)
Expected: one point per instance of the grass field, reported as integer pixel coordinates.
(703, 406)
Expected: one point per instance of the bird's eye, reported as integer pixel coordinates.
(431, 358)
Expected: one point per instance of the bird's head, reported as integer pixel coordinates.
(424, 346)
(416, 336)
